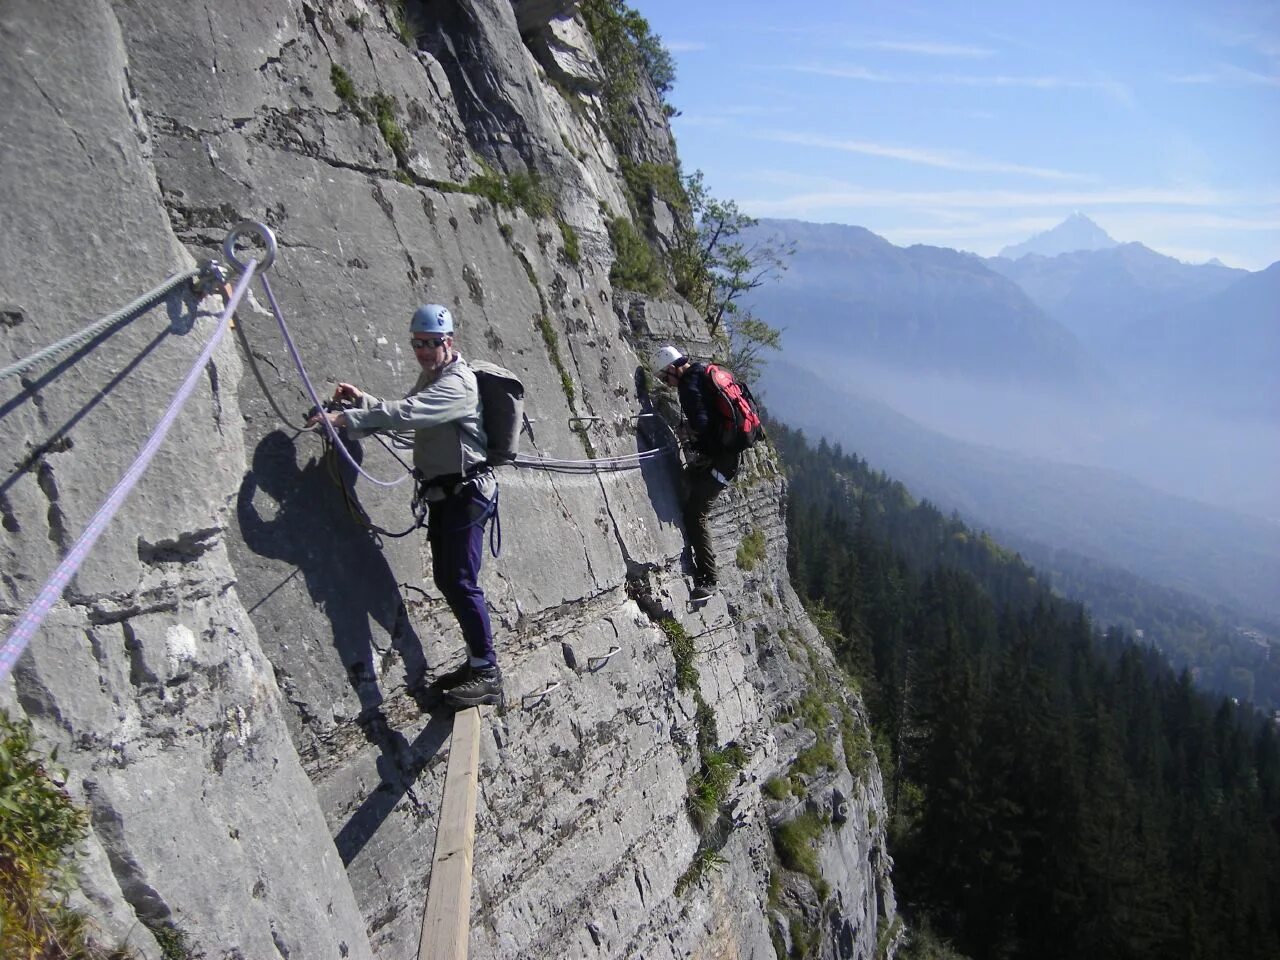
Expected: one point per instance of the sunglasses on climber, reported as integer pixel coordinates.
(422, 343)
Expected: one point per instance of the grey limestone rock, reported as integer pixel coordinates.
(238, 678)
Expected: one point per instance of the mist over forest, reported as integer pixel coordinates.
(1110, 404)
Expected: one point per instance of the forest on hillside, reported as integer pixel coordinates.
(1055, 791)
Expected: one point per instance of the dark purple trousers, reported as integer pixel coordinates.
(455, 530)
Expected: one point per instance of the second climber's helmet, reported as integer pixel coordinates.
(432, 318)
(665, 356)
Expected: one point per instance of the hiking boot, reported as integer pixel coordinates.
(702, 592)
(484, 687)
(454, 678)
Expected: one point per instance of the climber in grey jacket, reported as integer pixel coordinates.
(443, 411)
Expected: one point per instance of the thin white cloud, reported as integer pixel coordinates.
(689, 120)
(1263, 41)
(1231, 75)
(927, 48)
(1002, 231)
(855, 73)
(805, 204)
(1105, 85)
(1148, 221)
(929, 158)
(684, 46)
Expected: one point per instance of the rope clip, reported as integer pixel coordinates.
(211, 279)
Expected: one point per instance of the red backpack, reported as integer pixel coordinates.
(739, 421)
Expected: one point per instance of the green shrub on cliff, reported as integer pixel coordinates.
(634, 266)
(39, 828)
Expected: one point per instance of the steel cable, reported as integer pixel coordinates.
(129, 312)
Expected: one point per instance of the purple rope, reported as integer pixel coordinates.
(315, 397)
(35, 614)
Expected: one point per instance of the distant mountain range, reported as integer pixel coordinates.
(1077, 232)
(1201, 550)
(1219, 352)
(1203, 337)
(851, 293)
(1098, 293)
(1080, 321)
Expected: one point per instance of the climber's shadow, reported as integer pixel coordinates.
(341, 560)
(398, 776)
(662, 475)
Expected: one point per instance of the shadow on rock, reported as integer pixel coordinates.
(341, 560)
(399, 771)
(653, 430)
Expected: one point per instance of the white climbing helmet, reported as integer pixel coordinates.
(431, 318)
(666, 356)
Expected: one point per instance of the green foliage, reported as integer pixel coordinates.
(542, 320)
(777, 788)
(397, 14)
(794, 842)
(819, 755)
(920, 943)
(887, 935)
(634, 266)
(172, 941)
(682, 651)
(520, 190)
(344, 87)
(529, 195)
(811, 708)
(751, 551)
(357, 21)
(550, 338)
(384, 114)
(715, 268)
(806, 937)
(569, 237)
(705, 861)
(1036, 768)
(856, 743)
(629, 53)
(39, 828)
(649, 181)
(708, 787)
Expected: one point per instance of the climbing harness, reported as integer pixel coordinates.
(40, 608)
(454, 486)
(200, 279)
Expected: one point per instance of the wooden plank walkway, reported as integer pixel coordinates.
(446, 924)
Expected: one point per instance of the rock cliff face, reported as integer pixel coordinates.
(229, 677)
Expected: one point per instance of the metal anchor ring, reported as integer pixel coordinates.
(246, 228)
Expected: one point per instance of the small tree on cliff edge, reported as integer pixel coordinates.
(714, 267)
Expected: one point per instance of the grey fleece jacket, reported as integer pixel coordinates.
(445, 417)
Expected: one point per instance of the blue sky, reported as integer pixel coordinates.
(977, 125)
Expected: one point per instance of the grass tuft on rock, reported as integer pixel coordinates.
(39, 829)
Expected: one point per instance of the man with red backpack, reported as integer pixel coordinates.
(722, 422)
